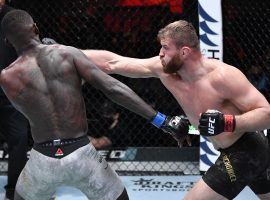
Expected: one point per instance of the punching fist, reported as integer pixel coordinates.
(214, 122)
(177, 126)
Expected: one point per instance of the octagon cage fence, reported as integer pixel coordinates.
(130, 30)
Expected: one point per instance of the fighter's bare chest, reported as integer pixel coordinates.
(195, 97)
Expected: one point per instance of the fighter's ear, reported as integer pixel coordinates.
(35, 28)
(185, 50)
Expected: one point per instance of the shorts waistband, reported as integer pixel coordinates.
(61, 148)
(60, 142)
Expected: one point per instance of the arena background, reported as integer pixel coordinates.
(130, 28)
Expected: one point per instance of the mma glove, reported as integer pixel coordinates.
(177, 126)
(214, 122)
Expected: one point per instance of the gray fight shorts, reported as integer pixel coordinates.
(84, 169)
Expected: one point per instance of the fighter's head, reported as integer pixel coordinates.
(18, 27)
(178, 40)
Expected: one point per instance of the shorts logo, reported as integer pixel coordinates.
(229, 168)
(211, 127)
(59, 152)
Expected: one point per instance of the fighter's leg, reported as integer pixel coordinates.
(33, 188)
(201, 191)
(97, 180)
(261, 185)
(38, 178)
(234, 169)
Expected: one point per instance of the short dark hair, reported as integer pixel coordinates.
(16, 21)
(182, 33)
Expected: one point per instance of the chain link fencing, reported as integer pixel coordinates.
(246, 32)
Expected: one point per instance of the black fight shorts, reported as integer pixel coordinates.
(245, 163)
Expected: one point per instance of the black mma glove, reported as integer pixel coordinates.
(177, 126)
(214, 122)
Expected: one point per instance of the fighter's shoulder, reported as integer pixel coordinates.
(60, 50)
(8, 71)
(226, 77)
(223, 70)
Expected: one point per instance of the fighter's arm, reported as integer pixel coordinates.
(112, 63)
(254, 108)
(244, 95)
(124, 96)
(112, 88)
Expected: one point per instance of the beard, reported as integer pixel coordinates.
(172, 66)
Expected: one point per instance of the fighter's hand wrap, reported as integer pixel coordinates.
(214, 122)
(177, 126)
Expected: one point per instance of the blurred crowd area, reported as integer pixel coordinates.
(246, 36)
(129, 27)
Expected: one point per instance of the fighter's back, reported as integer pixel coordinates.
(45, 86)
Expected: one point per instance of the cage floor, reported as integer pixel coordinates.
(143, 188)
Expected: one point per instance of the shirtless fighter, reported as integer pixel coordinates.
(44, 83)
(218, 99)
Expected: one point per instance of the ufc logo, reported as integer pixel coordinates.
(211, 126)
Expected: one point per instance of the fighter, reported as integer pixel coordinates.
(217, 99)
(44, 84)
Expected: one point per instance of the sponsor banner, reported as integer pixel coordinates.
(158, 187)
(137, 191)
(147, 154)
(211, 43)
(125, 154)
(140, 153)
(208, 154)
(167, 187)
(210, 24)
